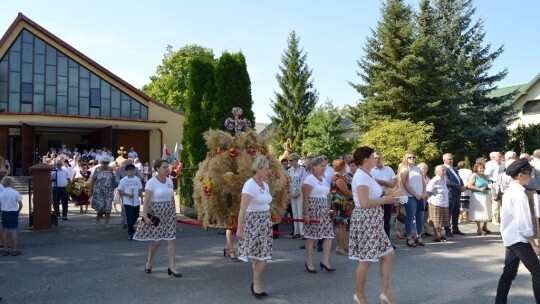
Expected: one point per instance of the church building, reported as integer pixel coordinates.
(51, 94)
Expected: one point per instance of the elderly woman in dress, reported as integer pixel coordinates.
(255, 224)
(439, 211)
(480, 199)
(101, 189)
(415, 188)
(368, 241)
(158, 203)
(315, 192)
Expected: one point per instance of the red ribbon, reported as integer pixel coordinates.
(290, 219)
(199, 224)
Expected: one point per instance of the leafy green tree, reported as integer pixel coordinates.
(394, 138)
(169, 85)
(297, 97)
(233, 88)
(524, 139)
(200, 99)
(325, 132)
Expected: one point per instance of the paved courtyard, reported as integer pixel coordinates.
(79, 262)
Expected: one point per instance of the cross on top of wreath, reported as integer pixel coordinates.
(237, 122)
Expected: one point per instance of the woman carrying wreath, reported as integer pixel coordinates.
(315, 195)
(254, 223)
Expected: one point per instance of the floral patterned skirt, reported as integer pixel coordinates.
(319, 210)
(257, 241)
(165, 230)
(367, 239)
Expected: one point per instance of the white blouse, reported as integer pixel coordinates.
(361, 178)
(161, 192)
(319, 188)
(439, 192)
(516, 221)
(415, 181)
(260, 198)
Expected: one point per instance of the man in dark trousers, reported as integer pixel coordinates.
(455, 187)
(517, 232)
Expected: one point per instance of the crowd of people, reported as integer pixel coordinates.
(355, 195)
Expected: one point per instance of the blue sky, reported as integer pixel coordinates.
(130, 37)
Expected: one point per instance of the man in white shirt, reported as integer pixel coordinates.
(494, 168)
(385, 177)
(517, 232)
(62, 178)
(139, 166)
(328, 170)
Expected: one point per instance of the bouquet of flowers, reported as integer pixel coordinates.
(78, 189)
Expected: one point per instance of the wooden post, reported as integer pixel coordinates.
(42, 198)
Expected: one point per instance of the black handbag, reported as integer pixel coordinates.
(154, 219)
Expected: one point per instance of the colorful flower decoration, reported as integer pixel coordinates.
(234, 220)
(251, 150)
(237, 122)
(232, 152)
(207, 188)
(273, 217)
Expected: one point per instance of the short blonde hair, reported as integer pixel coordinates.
(294, 156)
(259, 163)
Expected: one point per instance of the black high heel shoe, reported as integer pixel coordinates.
(178, 274)
(310, 270)
(147, 270)
(225, 253)
(257, 295)
(326, 268)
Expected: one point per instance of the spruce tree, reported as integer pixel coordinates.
(200, 99)
(483, 118)
(431, 82)
(233, 89)
(297, 97)
(387, 69)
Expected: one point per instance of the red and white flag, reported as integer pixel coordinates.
(165, 154)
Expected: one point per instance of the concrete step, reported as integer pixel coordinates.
(21, 184)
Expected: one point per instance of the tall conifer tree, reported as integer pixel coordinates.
(387, 69)
(483, 118)
(200, 100)
(297, 97)
(233, 88)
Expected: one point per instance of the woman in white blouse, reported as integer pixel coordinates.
(315, 191)
(368, 241)
(439, 211)
(254, 231)
(415, 187)
(159, 203)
